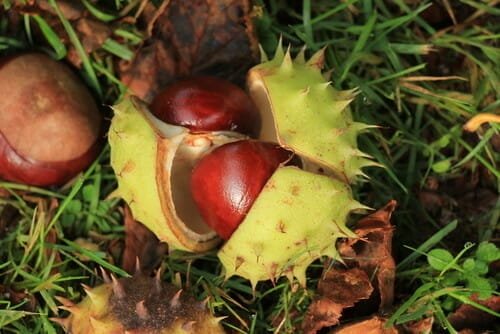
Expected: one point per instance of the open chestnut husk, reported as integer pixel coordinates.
(296, 215)
(299, 214)
(152, 161)
(50, 124)
(303, 112)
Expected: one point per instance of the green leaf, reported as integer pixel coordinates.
(117, 49)
(439, 258)
(487, 252)
(442, 166)
(481, 267)
(469, 265)
(451, 278)
(481, 285)
(429, 243)
(449, 304)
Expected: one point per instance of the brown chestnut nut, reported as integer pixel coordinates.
(204, 103)
(50, 124)
(226, 181)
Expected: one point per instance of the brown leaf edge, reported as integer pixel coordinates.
(372, 252)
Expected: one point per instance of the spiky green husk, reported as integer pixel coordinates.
(152, 161)
(138, 305)
(295, 220)
(133, 145)
(299, 214)
(303, 112)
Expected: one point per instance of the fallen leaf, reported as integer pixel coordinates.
(26, 301)
(90, 31)
(140, 245)
(71, 10)
(470, 317)
(337, 290)
(374, 325)
(211, 37)
(372, 252)
(423, 326)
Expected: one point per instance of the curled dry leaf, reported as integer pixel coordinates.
(140, 245)
(26, 301)
(212, 37)
(91, 32)
(470, 317)
(340, 289)
(374, 325)
(372, 252)
(71, 10)
(422, 326)
(337, 290)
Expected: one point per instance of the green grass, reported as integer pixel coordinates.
(384, 48)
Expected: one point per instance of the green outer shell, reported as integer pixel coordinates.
(308, 114)
(133, 157)
(296, 219)
(135, 142)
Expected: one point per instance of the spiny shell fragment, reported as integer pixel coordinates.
(138, 305)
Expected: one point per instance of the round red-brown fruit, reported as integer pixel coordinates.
(226, 181)
(50, 125)
(204, 103)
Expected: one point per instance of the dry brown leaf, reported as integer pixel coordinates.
(372, 252)
(212, 37)
(91, 32)
(470, 317)
(71, 10)
(374, 325)
(26, 301)
(337, 290)
(423, 326)
(140, 244)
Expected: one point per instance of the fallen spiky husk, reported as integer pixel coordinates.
(296, 219)
(152, 161)
(303, 112)
(299, 214)
(138, 305)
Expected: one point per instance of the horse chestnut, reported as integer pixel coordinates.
(205, 103)
(226, 181)
(49, 122)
